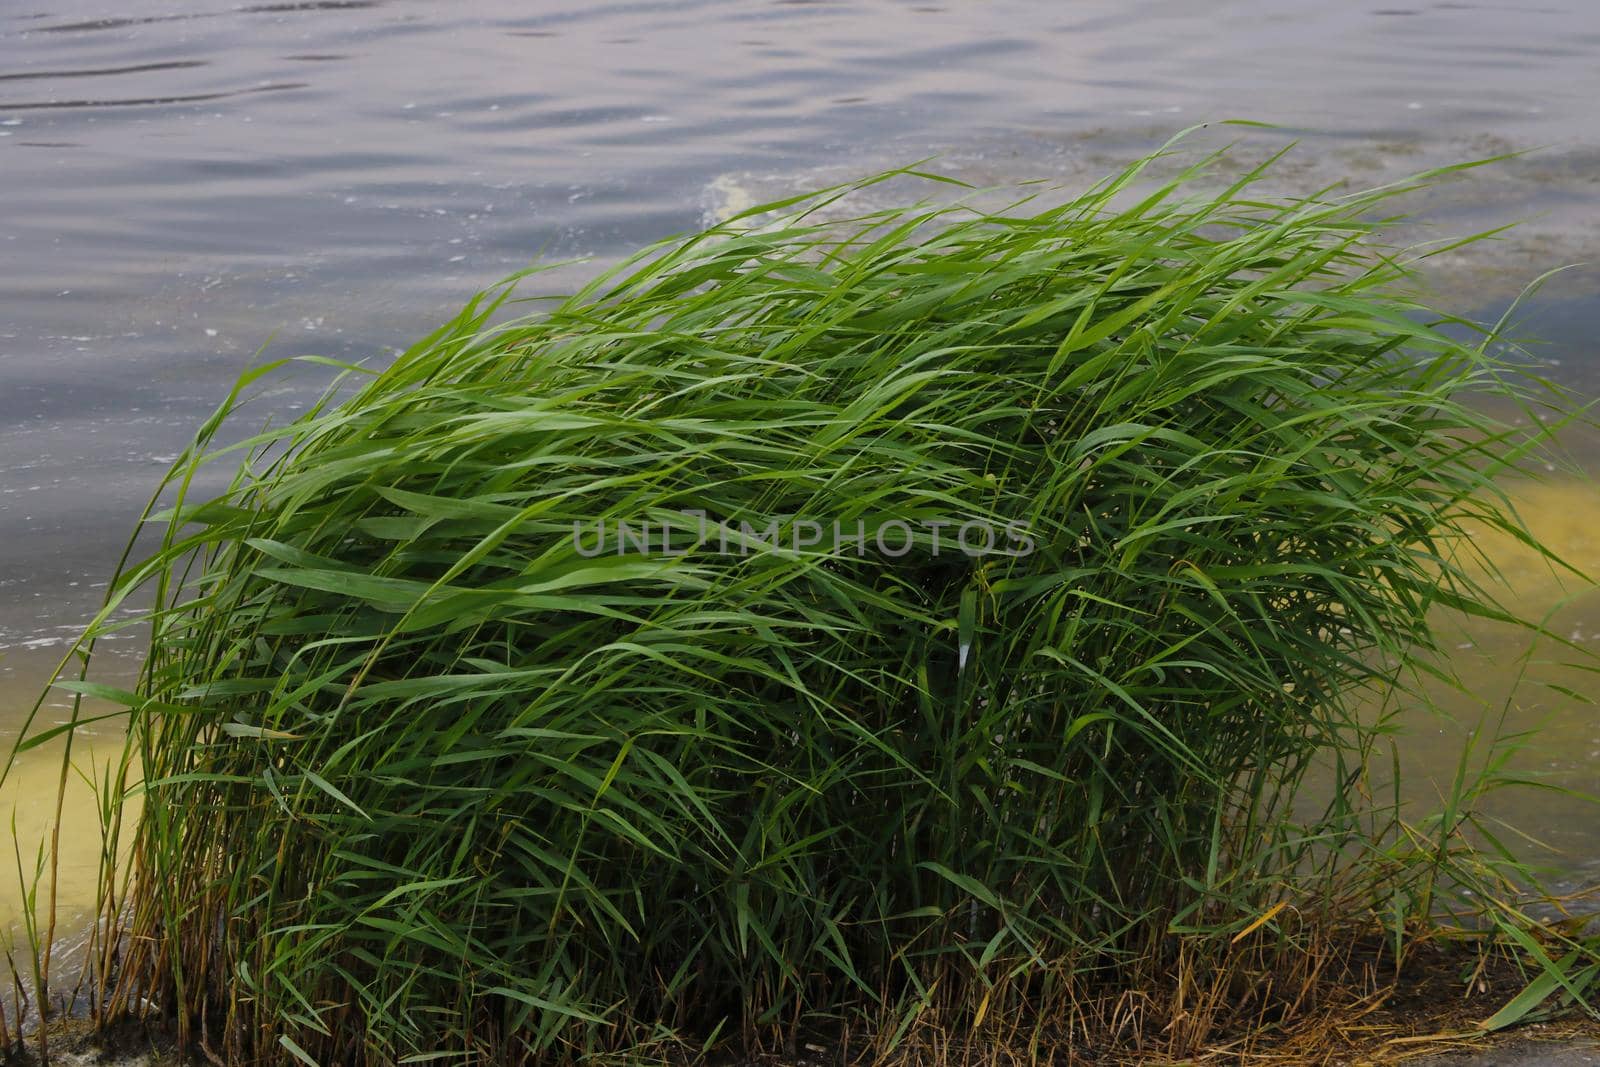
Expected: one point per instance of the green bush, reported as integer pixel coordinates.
(429, 774)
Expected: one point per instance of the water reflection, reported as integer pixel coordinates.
(139, 68)
(1508, 679)
(147, 101)
(28, 806)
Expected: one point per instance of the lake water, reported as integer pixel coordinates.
(190, 185)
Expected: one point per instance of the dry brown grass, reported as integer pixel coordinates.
(1345, 1002)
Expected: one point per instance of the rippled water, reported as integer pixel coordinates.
(187, 184)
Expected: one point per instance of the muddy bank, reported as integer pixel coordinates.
(1523, 1052)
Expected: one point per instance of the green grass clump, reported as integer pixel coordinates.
(425, 775)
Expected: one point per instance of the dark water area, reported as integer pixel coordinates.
(190, 186)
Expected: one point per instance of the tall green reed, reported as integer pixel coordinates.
(425, 775)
